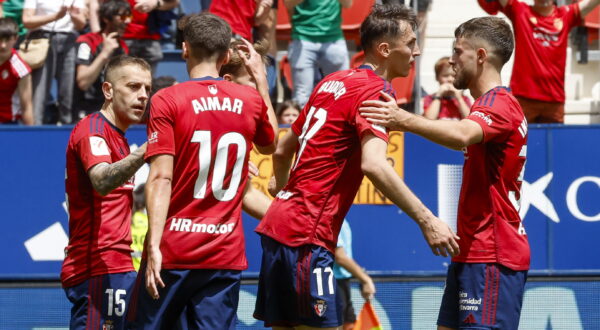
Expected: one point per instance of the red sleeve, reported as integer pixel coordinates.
(264, 131)
(512, 8)
(490, 6)
(572, 15)
(363, 127)
(93, 150)
(494, 121)
(161, 138)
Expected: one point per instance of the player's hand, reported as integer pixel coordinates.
(252, 61)
(272, 187)
(110, 42)
(252, 170)
(153, 279)
(367, 289)
(385, 113)
(441, 239)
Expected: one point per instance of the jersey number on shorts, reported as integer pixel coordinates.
(220, 167)
(116, 299)
(319, 279)
(309, 131)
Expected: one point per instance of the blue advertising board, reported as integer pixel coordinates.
(560, 204)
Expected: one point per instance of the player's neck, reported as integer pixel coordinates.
(109, 113)
(4, 57)
(202, 69)
(484, 83)
(379, 70)
(543, 10)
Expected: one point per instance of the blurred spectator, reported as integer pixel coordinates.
(344, 269)
(141, 40)
(59, 21)
(317, 42)
(541, 35)
(267, 31)
(14, 9)
(287, 112)
(161, 82)
(242, 15)
(94, 50)
(139, 225)
(15, 78)
(448, 102)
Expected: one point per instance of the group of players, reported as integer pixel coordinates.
(200, 133)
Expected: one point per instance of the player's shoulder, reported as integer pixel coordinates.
(241, 90)
(499, 100)
(93, 124)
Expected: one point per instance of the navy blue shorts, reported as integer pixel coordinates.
(296, 286)
(208, 299)
(482, 296)
(101, 302)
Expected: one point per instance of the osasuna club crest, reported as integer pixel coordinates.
(320, 307)
(213, 89)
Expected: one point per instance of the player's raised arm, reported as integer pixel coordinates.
(374, 164)
(106, 177)
(158, 195)
(452, 134)
(586, 6)
(256, 68)
(282, 161)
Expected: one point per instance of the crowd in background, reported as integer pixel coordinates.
(82, 35)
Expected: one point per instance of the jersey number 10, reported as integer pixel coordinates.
(220, 166)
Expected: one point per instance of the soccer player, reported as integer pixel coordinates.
(335, 146)
(200, 134)
(97, 273)
(485, 283)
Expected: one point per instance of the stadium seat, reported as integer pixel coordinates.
(592, 22)
(353, 17)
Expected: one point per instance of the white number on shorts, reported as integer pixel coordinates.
(319, 274)
(119, 309)
(307, 134)
(220, 167)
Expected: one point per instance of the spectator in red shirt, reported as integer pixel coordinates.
(15, 78)
(141, 41)
(242, 15)
(448, 102)
(541, 35)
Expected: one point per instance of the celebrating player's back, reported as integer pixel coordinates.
(200, 134)
(209, 125)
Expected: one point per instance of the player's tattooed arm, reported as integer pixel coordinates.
(106, 177)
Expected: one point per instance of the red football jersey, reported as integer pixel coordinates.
(540, 50)
(489, 225)
(11, 71)
(99, 226)
(449, 107)
(208, 125)
(326, 174)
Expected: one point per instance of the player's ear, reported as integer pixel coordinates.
(383, 49)
(228, 56)
(185, 51)
(482, 55)
(228, 77)
(107, 90)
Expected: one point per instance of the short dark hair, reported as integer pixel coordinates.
(8, 28)
(383, 21)
(235, 63)
(111, 8)
(207, 35)
(123, 60)
(494, 31)
(161, 82)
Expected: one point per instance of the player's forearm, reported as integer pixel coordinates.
(158, 192)
(351, 266)
(263, 89)
(282, 164)
(450, 134)
(255, 203)
(106, 177)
